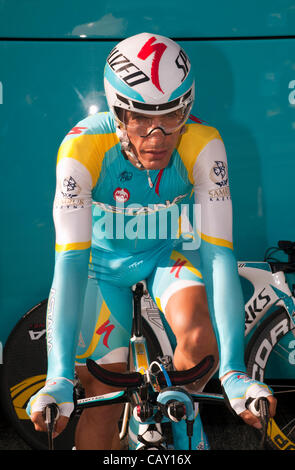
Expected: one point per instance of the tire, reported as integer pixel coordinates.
(23, 374)
(270, 357)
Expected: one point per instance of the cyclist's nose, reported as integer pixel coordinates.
(157, 133)
(156, 123)
(156, 126)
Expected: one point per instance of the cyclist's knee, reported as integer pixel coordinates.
(192, 325)
(188, 308)
(197, 339)
(195, 336)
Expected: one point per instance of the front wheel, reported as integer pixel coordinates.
(270, 357)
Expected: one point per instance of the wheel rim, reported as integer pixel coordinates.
(272, 360)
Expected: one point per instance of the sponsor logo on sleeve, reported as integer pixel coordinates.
(67, 195)
(70, 187)
(219, 176)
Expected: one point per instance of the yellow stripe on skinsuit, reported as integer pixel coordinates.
(192, 142)
(175, 255)
(88, 149)
(72, 246)
(102, 318)
(216, 241)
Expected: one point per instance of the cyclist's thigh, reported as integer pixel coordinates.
(176, 270)
(106, 324)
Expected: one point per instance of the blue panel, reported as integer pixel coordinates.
(119, 19)
(246, 89)
(45, 91)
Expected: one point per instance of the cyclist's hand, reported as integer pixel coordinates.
(238, 388)
(59, 391)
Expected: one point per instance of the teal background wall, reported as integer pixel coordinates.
(52, 57)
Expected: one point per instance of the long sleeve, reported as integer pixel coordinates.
(72, 219)
(219, 265)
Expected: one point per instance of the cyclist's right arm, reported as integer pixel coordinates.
(73, 225)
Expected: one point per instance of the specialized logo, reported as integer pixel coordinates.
(180, 262)
(183, 63)
(50, 384)
(106, 328)
(177, 267)
(125, 69)
(158, 50)
(244, 377)
(77, 130)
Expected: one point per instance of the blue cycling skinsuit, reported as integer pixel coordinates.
(110, 243)
(116, 226)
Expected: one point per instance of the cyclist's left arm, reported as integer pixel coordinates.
(220, 271)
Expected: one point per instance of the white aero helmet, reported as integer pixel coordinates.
(149, 74)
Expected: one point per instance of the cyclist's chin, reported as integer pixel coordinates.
(155, 161)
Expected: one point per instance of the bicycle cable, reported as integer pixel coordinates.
(269, 252)
(51, 414)
(264, 418)
(260, 408)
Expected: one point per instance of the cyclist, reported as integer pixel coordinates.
(142, 193)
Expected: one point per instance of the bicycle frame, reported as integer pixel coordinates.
(150, 392)
(270, 289)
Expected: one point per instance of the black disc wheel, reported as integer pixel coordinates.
(23, 374)
(270, 357)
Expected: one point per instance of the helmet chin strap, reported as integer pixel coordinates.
(125, 145)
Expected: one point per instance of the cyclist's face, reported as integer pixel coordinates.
(155, 147)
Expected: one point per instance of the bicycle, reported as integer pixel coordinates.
(155, 393)
(28, 337)
(270, 353)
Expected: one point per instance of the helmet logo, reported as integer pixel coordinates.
(148, 49)
(125, 69)
(182, 62)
